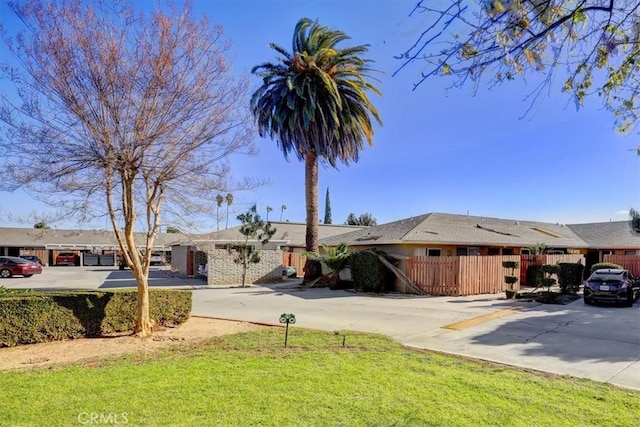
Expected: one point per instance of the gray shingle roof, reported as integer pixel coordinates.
(463, 230)
(388, 233)
(294, 233)
(608, 235)
(31, 237)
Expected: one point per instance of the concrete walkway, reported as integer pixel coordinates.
(600, 343)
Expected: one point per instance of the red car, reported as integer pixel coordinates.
(14, 266)
(66, 258)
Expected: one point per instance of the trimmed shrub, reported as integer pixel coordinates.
(534, 275)
(570, 277)
(49, 316)
(550, 269)
(600, 265)
(368, 272)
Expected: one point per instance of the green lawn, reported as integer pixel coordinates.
(250, 379)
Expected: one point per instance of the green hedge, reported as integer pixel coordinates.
(49, 316)
(570, 277)
(534, 275)
(369, 274)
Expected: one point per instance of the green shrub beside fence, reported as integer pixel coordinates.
(369, 274)
(570, 277)
(49, 316)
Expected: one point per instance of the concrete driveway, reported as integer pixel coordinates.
(59, 277)
(600, 343)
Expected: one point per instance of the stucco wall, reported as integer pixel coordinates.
(179, 258)
(223, 271)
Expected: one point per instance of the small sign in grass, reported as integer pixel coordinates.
(287, 319)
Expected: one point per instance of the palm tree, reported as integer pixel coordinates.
(269, 209)
(229, 200)
(219, 201)
(313, 101)
(282, 209)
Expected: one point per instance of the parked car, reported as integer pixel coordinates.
(157, 259)
(15, 266)
(32, 258)
(611, 285)
(66, 258)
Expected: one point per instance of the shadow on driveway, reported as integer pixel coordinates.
(157, 278)
(571, 333)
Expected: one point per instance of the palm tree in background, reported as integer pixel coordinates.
(229, 200)
(219, 201)
(313, 101)
(282, 209)
(269, 209)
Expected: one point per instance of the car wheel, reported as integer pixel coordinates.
(4, 273)
(27, 275)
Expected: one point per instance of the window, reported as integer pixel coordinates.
(493, 251)
(434, 252)
(467, 251)
(507, 251)
(525, 252)
(631, 252)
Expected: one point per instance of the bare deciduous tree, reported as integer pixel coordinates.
(593, 45)
(124, 113)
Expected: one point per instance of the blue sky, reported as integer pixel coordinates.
(438, 150)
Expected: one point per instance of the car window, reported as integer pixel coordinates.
(607, 276)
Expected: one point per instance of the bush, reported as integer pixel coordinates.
(369, 274)
(550, 269)
(48, 316)
(600, 265)
(570, 277)
(534, 275)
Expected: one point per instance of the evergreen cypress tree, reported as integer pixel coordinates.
(327, 208)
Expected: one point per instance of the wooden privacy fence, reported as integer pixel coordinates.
(459, 275)
(629, 262)
(293, 259)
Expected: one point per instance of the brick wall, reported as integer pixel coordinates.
(223, 271)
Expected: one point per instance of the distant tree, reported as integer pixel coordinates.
(172, 230)
(327, 208)
(253, 228)
(229, 199)
(41, 225)
(593, 44)
(269, 209)
(314, 102)
(282, 209)
(219, 201)
(635, 220)
(363, 219)
(122, 112)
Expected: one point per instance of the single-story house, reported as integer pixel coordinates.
(48, 243)
(209, 251)
(607, 238)
(442, 234)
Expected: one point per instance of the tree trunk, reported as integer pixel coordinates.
(144, 324)
(311, 199)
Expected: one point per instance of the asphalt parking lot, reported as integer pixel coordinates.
(597, 342)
